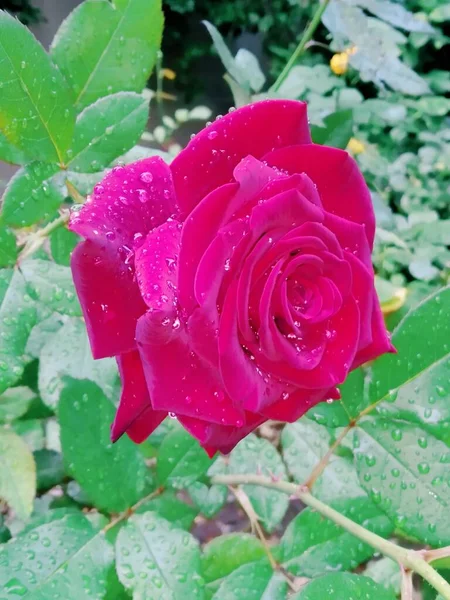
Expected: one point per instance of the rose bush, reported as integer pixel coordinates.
(234, 285)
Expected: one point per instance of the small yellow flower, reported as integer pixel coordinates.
(355, 146)
(339, 63)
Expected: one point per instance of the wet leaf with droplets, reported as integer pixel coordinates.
(15, 402)
(62, 242)
(157, 561)
(113, 475)
(103, 48)
(171, 508)
(312, 545)
(386, 572)
(343, 586)
(107, 129)
(255, 455)
(8, 248)
(304, 445)
(17, 474)
(66, 558)
(254, 581)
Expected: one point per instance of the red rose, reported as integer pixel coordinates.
(235, 285)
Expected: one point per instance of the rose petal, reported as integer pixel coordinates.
(351, 236)
(209, 159)
(341, 186)
(109, 298)
(381, 342)
(134, 414)
(294, 405)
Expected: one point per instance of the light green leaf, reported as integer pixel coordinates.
(113, 476)
(209, 499)
(337, 131)
(255, 455)
(312, 545)
(331, 414)
(17, 317)
(11, 154)
(31, 431)
(68, 352)
(343, 586)
(8, 248)
(440, 14)
(181, 460)
(14, 402)
(17, 474)
(386, 572)
(396, 15)
(250, 68)
(33, 565)
(254, 581)
(41, 333)
(304, 445)
(30, 195)
(404, 470)
(157, 561)
(107, 129)
(37, 114)
(226, 553)
(62, 243)
(103, 48)
(52, 285)
(168, 506)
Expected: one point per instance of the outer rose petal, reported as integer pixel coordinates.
(135, 414)
(109, 297)
(295, 405)
(209, 159)
(128, 203)
(381, 342)
(341, 186)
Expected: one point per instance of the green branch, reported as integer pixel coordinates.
(309, 32)
(408, 559)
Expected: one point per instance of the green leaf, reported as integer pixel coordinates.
(254, 581)
(331, 414)
(32, 432)
(68, 352)
(304, 444)
(209, 499)
(37, 114)
(440, 14)
(181, 460)
(107, 129)
(17, 317)
(52, 285)
(64, 558)
(313, 545)
(113, 476)
(41, 333)
(396, 15)
(62, 243)
(386, 572)
(17, 474)
(8, 248)
(157, 561)
(354, 393)
(30, 195)
(343, 586)
(118, 55)
(168, 506)
(5, 534)
(337, 130)
(15, 402)
(226, 553)
(404, 470)
(49, 468)
(254, 455)
(11, 154)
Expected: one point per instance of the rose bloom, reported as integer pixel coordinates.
(236, 284)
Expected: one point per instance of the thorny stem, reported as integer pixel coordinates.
(407, 591)
(126, 514)
(306, 37)
(408, 559)
(37, 239)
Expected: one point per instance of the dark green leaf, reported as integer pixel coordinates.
(312, 545)
(106, 130)
(17, 474)
(37, 115)
(118, 55)
(155, 560)
(49, 468)
(5, 534)
(354, 393)
(337, 131)
(52, 285)
(181, 460)
(254, 581)
(67, 558)
(68, 352)
(254, 455)
(62, 242)
(405, 472)
(168, 506)
(114, 476)
(30, 195)
(304, 445)
(8, 248)
(343, 586)
(329, 414)
(15, 402)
